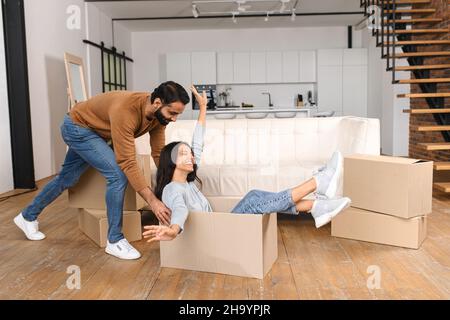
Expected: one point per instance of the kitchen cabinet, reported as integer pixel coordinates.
(178, 69)
(274, 67)
(290, 66)
(258, 67)
(225, 67)
(354, 57)
(241, 67)
(354, 99)
(330, 88)
(307, 66)
(330, 57)
(342, 81)
(203, 67)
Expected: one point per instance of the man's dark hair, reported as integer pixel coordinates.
(170, 92)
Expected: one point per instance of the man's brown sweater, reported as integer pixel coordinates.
(120, 116)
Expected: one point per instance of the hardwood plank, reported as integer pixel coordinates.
(311, 264)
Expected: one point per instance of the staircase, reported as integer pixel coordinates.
(418, 30)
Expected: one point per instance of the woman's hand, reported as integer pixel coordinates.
(202, 102)
(160, 233)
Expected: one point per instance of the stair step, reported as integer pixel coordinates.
(418, 42)
(424, 95)
(427, 80)
(418, 31)
(432, 128)
(427, 111)
(420, 54)
(434, 146)
(410, 11)
(441, 166)
(422, 67)
(443, 186)
(414, 20)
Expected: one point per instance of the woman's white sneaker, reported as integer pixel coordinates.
(122, 250)
(327, 177)
(31, 229)
(323, 211)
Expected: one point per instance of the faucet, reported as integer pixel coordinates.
(270, 99)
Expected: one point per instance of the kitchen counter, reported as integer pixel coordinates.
(260, 110)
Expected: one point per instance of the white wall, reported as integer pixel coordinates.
(149, 48)
(47, 40)
(99, 28)
(383, 102)
(6, 171)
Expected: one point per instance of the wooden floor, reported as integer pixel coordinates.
(311, 264)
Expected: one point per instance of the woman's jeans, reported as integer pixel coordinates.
(260, 202)
(86, 148)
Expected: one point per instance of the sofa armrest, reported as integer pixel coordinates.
(359, 135)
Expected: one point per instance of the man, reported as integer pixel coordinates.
(120, 116)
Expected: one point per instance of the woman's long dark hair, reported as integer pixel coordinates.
(166, 168)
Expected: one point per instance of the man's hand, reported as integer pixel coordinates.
(161, 211)
(160, 233)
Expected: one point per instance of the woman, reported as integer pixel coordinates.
(177, 173)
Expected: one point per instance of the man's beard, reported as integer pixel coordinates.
(161, 119)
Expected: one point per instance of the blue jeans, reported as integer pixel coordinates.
(261, 202)
(86, 148)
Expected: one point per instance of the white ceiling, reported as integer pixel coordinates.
(177, 8)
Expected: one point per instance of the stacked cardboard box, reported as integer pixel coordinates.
(391, 198)
(89, 197)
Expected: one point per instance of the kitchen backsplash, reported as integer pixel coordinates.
(283, 95)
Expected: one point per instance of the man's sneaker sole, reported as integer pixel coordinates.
(326, 218)
(120, 257)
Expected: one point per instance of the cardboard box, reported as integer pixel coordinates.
(396, 186)
(235, 244)
(359, 224)
(90, 190)
(94, 223)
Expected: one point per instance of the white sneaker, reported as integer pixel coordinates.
(327, 177)
(323, 211)
(31, 229)
(122, 250)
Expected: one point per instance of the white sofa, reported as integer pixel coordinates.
(269, 154)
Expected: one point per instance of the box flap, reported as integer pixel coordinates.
(388, 159)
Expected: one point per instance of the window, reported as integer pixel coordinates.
(114, 71)
(114, 67)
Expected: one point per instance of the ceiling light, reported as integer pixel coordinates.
(234, 18)
(195, 11)
(293, 15)
(267, 17)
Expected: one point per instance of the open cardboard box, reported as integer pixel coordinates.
(221, 242)
(395, 186)
(90, 190)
